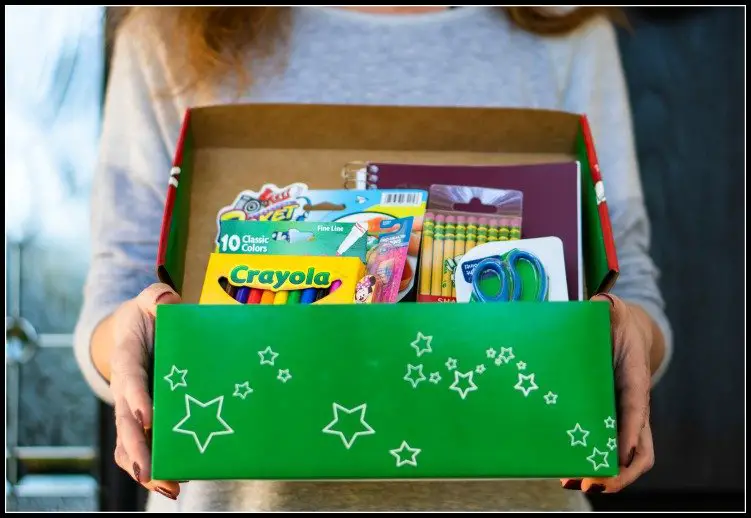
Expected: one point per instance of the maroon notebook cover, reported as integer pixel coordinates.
(550, 205)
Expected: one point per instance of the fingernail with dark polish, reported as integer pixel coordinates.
(164, 492)
(139, 417)
(596, 488)
(137, 472)
(631, 457)
(573, 484)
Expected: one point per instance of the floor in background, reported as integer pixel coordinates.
(693, 501)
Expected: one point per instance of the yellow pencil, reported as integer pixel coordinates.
(459, 242)
(471, 234)
(503, 230)
(426, 253)
(281, 298)
(515, 230)
(493, 230)
(448, 255)
(437, 266)
(482, 231)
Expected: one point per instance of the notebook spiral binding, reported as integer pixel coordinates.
(360, 176)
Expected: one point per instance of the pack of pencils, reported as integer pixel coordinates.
(458, 219)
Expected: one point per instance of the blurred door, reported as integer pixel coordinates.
(54, 62)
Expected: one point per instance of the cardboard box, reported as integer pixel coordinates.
(399, 391)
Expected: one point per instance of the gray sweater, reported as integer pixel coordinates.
(466, 57)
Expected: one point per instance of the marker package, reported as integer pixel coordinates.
(458, 219)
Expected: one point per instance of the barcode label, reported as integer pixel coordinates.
(410, 199)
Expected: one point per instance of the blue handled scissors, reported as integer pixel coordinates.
(511, 281)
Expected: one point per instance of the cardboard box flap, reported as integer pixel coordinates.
(226, 149)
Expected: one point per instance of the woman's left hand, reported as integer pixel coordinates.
(632, 342)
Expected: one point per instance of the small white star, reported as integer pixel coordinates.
(528, 388)
(612, 444)
(490, 353)
(480, 369)
(410, 378)
(550, 398)
(242, 390)
(365, 427)
(521, 366)
(506, 354)
(451, 364)
(466, 376)
(204, 421)
(181, 383)
(421, 338)
(401, 461)
(498, 361)
(578, 435)
(609, 422)
(435, 377)
(599, 459)
(284, 376)
(267, 356)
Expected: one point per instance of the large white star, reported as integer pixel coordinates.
(409, 459)
(599, 459)
(267, 356)
(609, 422)
(367, 430)
(581, 433)
(181, 383)
(529, 388)
(224, 430)
(410, 378)
(242, 390)
(421, 338)
(466, 376)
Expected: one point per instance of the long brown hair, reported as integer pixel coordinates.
(211, 42)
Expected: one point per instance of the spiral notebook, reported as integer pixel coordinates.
(552, 197)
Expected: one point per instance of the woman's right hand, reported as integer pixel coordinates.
(131, 355)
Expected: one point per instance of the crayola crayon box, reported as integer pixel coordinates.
(347, 391)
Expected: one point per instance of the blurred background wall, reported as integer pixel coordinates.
(685, 69)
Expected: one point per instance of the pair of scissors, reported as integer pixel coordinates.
(511, 281)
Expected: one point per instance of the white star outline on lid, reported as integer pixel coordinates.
(330, 427)
(521, 366)
(435, 377)
(284, 376)
(245, 390)
(413, 453)
(414, 381)
(550, 398)
(422, 338)
(609, 422)
(612, 444)
(578, 430)
(455, 385)
(526, 390)
(181, 373)
(267, 352)
(602, 462)
(219, 401)
(451, 364)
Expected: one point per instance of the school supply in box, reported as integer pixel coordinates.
(318, 280)
(552, 197)
(296, 202)
(459, 219)
(512, 271)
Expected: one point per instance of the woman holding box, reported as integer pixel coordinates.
(168, 59)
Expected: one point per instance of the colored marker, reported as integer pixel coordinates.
(356, 233)
(308, 296)
(281, 298)
(436, 275)
(242, 295)
(426, 254)
(255, 296)
(460, 242)
(267, 297)
(334, 286)
(448, 255)
(503, 230)
(294, 297)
